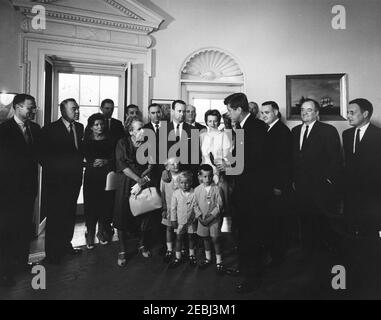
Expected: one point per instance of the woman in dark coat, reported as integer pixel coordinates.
(98, 152)
(131, 173)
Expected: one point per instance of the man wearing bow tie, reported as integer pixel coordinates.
(19, 139)
(317, 162)
(362, 149)
(62, 177)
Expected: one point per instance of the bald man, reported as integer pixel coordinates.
(190, 115)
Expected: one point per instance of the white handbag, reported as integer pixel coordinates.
(147, 200)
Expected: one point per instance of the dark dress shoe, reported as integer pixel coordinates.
(7, 282)
(27, 268)
(74, 251)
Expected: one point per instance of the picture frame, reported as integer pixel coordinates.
(166, 107)
(329, 90)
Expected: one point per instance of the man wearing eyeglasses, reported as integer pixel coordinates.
(19, 138)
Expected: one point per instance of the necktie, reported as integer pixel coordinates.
(178, 139)
(177, 132)
(357, 143)
(268, 127)
(108, 125)
(238, 126)
(28, 134)
(157, 129)
(73, 135)
(305, 137)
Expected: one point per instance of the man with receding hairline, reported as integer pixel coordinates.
(317, 163)
(62, 177)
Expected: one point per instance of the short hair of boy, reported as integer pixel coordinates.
(187, 175)
(206, 168)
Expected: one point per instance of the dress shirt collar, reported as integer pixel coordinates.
(19, 121)
(67, 123)
(242, 123)
(154, 124)
(310, 126)
(273, 124)
(363, 130)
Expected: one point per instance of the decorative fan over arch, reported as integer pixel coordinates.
(212, 65)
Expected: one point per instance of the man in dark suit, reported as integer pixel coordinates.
(113, 127)
(191, 115)
(317, 162)
(155, 125)
(182, 131)
(62, 176)
(115, 130)
(19, 138)
(248, 192)
(362, 149)
(277, 167)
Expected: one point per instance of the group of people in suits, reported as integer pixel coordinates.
(305, 164)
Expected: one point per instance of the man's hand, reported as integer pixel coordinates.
(277, 192)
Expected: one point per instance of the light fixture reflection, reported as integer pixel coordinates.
(6, 98)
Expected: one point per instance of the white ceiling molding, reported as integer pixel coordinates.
(211, 65)
(130, 16)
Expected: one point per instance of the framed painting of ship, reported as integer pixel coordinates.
(330, 90)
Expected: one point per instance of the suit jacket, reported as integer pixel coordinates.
(278, 157)
(195, 144)
(199, 126)
(19, 177)
(250, 182)
(188, 130)
(19, 161)
(62, 161)
(363, 170)
(116, 130)
(321, 158)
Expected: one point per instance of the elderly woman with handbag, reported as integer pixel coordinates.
(133, 178)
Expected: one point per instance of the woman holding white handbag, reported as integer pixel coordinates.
(133, 178)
